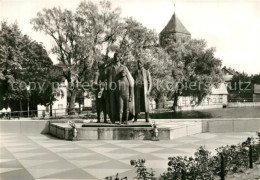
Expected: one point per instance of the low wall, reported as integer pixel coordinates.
(231, 125)
(243, 104)
(199, 107)
(177, 132)
(31, 127)
(27, 127)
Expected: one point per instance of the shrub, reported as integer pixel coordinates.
(203, 166)
(199, 167)
(141, 170)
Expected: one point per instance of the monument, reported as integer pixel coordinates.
(143, 86)
(120, 95)
(114, 75)
(124, 96)
(101, 93)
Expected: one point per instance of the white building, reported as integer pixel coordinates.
(59, 106)
(216, 99)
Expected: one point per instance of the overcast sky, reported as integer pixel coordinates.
(232, 26)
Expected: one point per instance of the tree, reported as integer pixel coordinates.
(194, 69)
(78, 38)
(51, 87)
(241, 88)
(135, 42)
(10, 60)
(255, 79)
(22, 61)
(132, 41)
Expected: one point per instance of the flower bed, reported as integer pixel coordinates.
(229, 160)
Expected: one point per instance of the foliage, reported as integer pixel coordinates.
(255, 79)
(199, 167)
(51, 86)
(116, 178)
(194, 64)
(234, 157)
(91, 34)
(141, 170)
(23, 60)
(136, 42)
(79, 37)
(203, 166)
(11, 59)
(240, 88)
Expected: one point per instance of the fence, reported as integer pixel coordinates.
(243, 104)
(54, 113)
(240, 99)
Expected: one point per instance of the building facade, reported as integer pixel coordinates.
(59, 107)
(217, 98)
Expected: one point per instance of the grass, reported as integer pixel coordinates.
(241, 112)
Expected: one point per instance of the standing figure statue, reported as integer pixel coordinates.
(101, 94)
(124, 97)
(114, 75)
(142, 89)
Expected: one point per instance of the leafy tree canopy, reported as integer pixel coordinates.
(22, 60)
(194, 67)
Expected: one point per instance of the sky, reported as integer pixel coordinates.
(231, 26)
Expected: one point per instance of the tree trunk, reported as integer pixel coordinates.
(160, 102)
(156, 103)
(79, 107)
(175, 102)
(21, 108)
(51, 109)
(71, 109)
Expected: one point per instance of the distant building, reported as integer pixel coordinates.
(228, 73)
(256, 95)
(59, 107)
(216, 99)
(174, 30)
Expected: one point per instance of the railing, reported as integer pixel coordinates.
(55, 113)
(240, 100)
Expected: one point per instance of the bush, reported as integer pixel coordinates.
(203, 166)
(141, 171)
(199, 167)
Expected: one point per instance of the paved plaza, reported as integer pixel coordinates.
(25, 157)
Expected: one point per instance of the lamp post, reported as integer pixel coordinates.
(28, 89)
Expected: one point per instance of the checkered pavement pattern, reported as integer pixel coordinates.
(42, 157)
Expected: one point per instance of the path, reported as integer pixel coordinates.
(43, 157)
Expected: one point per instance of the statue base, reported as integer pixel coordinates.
(140, 130)
(104, 131)
(116, 124)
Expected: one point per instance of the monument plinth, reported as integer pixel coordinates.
(130, 124)
(104, 131)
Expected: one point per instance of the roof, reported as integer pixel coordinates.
(221, 89)
(175, 25)
(228, 71)
(227, 77)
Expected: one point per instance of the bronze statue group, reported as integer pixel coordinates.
(120, 95)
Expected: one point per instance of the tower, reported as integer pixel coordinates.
(174, 30)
